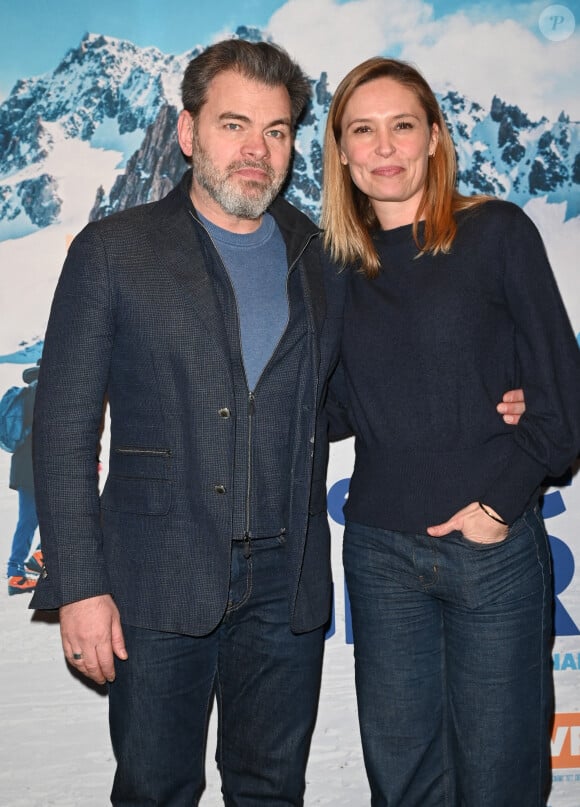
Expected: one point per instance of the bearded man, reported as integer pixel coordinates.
(203, 569)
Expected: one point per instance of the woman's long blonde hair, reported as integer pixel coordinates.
(348, 218)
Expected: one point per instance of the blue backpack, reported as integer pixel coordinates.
(14, 428)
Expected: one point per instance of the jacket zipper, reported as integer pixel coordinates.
(251, 409)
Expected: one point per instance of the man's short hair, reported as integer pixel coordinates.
(259, 61)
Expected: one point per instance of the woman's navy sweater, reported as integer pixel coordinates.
(429, 348)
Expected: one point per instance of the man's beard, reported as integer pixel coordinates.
(243, 198)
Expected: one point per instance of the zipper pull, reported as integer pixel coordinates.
(251, 404)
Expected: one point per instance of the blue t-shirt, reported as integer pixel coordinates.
(257, 267)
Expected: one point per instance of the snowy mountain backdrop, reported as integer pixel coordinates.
(114, 98)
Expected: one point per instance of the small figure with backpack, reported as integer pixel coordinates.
(16, 410)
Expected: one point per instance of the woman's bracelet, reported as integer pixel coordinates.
(491, 515)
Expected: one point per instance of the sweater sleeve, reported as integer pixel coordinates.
(547, 438)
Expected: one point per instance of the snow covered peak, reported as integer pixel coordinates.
(113, 97)
(102, 79)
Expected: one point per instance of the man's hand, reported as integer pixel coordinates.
(91, 633)
(512, 406)
(475, 525)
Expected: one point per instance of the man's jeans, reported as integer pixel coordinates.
(453, 665)
(266, 681)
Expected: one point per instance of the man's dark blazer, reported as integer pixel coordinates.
(135, 320)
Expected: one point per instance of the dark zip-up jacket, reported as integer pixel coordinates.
(144, 316)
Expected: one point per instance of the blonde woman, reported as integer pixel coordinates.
(450, 302)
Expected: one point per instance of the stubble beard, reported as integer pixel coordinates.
(243, 198)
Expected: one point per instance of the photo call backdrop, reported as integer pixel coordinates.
(89, 97)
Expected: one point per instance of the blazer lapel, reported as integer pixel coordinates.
(178, 247)
(315, 281)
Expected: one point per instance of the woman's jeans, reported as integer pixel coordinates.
(453, 665)
(266, 681)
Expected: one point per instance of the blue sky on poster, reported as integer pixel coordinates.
(478, 47)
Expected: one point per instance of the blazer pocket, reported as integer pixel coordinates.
(147, 497)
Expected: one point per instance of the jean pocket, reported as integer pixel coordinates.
(518, 526)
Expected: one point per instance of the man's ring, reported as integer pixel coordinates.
(77, 656)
